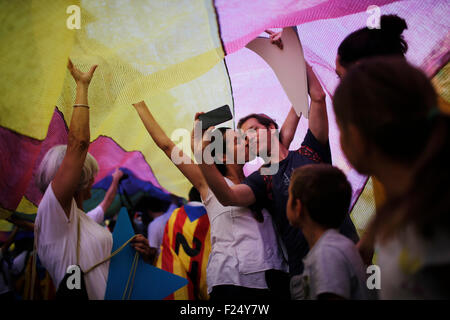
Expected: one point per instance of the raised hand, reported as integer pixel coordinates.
(81, 77)
(117, 174)
(275, 38)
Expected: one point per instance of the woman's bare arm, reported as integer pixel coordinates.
(68, 175)
(289, 128)
(187, 167)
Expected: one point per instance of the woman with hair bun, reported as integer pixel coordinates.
(365, 43)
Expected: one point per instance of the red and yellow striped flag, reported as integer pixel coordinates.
(185, 251)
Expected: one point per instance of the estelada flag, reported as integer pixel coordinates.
(185, 250)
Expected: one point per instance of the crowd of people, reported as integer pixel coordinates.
(287, 235)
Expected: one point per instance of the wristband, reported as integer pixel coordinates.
(81, 105)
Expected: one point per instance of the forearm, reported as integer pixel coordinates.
(110, 195)
(181, 160)
(217, 184)
(318, 118)
(289, 128)
(153, 128)
(27, 225)
(79, 133)
(315, 90)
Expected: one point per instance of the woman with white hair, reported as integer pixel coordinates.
(64, 234)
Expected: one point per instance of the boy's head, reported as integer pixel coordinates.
(319, 193)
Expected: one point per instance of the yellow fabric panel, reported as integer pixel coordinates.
(4, 214)
(203, 284)
(34, 46)
(364, 208)
(163, 53)
(441, 82)
(167, 53)
(26, 206)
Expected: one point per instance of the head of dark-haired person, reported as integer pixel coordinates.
(365, 43)
(256, 122)
(321, 193)
(389, 123)
(194, 195)
(233, 150)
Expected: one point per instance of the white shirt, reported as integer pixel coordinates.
(56, 237)
(97, 214)
(241, 247)
(403, 259)
(155, 230)
(333, 265)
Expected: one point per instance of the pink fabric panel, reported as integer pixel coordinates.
(241, 21)
(110, 155)
(18, 167)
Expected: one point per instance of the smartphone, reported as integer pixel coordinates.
(215, 117)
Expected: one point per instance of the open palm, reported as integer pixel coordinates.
(81, 77)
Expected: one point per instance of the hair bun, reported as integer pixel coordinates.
(393, 24)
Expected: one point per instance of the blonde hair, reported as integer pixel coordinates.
(51, 163)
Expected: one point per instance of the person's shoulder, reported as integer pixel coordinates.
(336, 239)
(339, 246)
(157, 220)
(48, 197)
(49, 203)
(335, 244)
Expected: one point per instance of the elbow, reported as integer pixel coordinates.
(226, 201)
(318, 96)
(79, 144)
(165, 147)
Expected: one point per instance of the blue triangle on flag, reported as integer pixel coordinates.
(194, 212)
(150, 283)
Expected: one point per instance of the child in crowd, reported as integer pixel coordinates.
(319, 200)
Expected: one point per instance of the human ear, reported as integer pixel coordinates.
(356, 138)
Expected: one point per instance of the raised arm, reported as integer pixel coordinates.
(187, 167)
(318, 119)
(289, 128)
(290, 124)
(238, 195)
(68, 175)
(112, 190)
